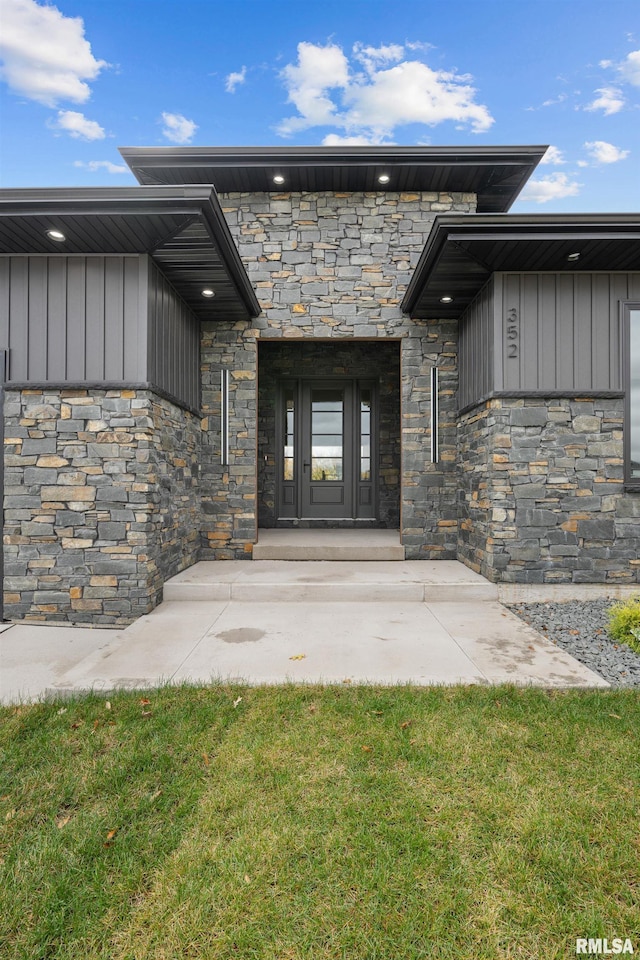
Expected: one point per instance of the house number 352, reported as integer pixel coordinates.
(512, 332)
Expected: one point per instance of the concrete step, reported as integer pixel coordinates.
(329, 581)
(323, 544)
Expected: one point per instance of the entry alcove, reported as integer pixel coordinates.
(308, 474)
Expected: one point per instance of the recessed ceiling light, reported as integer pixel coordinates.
(278, 178)
(573, 256)
(384, 178)
(56, 235)
(446, 299)
(208, 292)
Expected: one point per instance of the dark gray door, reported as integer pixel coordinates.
(327, 439)
(327, 449)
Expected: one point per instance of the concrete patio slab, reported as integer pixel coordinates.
(353, 642)
(33, 657)
(507, 650)
(280, 621)
(146, 654)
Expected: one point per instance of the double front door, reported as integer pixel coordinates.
(327, 450)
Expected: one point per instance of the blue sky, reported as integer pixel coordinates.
(82, 77)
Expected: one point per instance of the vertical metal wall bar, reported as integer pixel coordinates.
(224, 417)
(435, 416)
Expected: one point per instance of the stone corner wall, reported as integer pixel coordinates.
(100, 502)
(542, 498)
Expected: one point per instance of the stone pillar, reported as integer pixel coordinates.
(101, 502)
(542, 493)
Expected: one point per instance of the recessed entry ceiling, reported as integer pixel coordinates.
(495, 174)
(182, 229)
(462, 252)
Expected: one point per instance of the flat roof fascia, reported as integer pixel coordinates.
(504, 227)
(189, 200)
(147, 164)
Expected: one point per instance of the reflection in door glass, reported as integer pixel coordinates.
(288, 433)
(326, 434)
(365, 434)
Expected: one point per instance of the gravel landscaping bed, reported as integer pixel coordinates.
(580, 628)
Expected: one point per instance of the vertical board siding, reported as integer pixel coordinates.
(56, 306)
(476, 348)
(37, 319)
(76, 319)
(94, 319)
(72, 318)
(569, 330)
(173, 341)
(511, 297)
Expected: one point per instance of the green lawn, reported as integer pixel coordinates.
(319, 822)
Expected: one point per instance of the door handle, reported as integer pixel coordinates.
(305, 465)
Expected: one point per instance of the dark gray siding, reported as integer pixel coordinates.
(73, 318)
(174, 342)
(476, 347)
(568, 334)
(568, 330)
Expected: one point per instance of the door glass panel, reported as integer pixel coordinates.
(327, 434)
(634, 394)
(365, 434)
(289, 434)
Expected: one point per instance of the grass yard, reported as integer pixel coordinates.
(305, 822)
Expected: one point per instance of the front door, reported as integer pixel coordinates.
(327, 464)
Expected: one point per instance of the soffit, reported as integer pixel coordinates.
(461, 253)
(495, 174)
(182, 229)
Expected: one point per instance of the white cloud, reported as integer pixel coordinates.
(45, 54)
(336, 140)
(553, 155)
(95, 165)
(552, 102)
(234, 80)
(77, 125)
(611, 100)
(554, 187)
(371, 56)
(375, 94)
(630, 68)
(603, 152)
(549, 103)
(177, 128)
(319, 69)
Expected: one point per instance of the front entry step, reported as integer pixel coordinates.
(288, 581)
(328, 544)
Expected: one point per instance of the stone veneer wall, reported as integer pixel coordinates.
(101, 502)
(542, 498)
(331, 266)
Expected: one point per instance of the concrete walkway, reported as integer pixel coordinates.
(274, 622)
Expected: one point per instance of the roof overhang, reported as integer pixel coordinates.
(462, 252)
(495, 174)
(182, 228)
